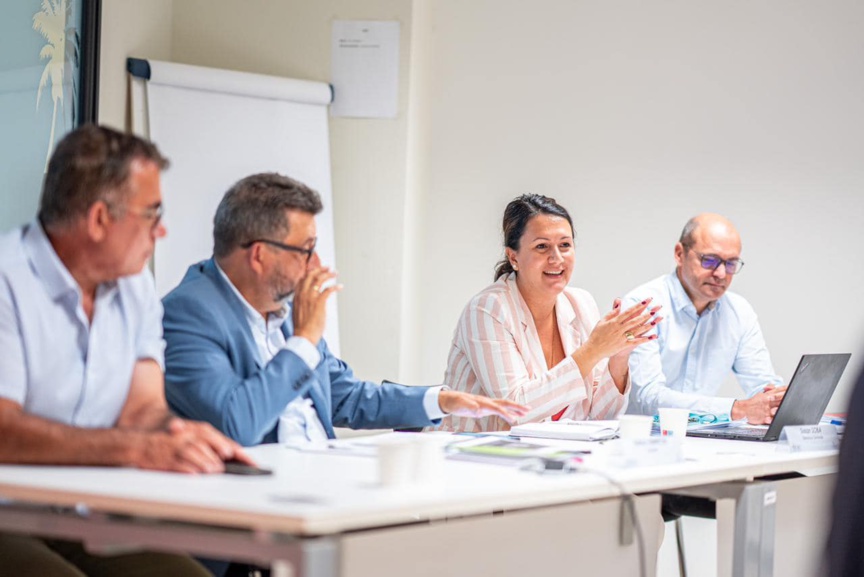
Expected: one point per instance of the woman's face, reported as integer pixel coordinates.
(544, 261)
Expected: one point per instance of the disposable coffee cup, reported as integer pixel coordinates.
(634, 426)
(396, 463)
(673, 423)
(429, 459)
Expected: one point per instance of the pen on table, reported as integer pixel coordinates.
(838, 422)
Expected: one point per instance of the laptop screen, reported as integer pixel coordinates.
(809, 392)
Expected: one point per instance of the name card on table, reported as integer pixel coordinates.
(810, 437)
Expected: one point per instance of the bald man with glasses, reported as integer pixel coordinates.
(707, 332)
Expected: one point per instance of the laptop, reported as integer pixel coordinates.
(804, 403)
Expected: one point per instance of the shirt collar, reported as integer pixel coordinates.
(55, 276)
(680, 298)
(253, 316)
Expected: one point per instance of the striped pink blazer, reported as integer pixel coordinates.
(496, 352)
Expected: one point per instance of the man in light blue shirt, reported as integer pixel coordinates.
(80, 333)
(707, 332)
(241, 359)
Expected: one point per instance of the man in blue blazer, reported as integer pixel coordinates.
(241, 358)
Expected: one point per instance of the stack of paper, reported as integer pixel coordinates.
(499, 450)
(567, 429)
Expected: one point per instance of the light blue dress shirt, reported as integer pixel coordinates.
(55, 362)
(299, 424)
(693, 354)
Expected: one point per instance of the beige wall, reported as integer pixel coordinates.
(635, 115)
(368, 157)
(129, 28)
(292, 38)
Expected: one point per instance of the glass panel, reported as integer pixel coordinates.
(38, 63)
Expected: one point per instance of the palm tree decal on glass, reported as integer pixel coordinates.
(61, 52)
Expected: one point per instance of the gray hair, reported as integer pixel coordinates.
(90, 164)
(686, 239)
(255, 208)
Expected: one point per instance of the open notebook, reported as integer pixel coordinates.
(567, 429)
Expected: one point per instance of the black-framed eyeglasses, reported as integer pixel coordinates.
(307, 251)
(713, 262)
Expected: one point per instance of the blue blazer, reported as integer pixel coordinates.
(214, 371)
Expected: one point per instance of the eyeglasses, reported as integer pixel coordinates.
(713, 262)
(153, 213)
(307, 251)
(701, 418)
(705, 418)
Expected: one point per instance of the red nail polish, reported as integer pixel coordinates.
(645, 302)
(653, 313)
(653, 323)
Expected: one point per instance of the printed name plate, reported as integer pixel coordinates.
(810, 437)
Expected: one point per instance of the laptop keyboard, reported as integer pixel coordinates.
(754, 433)
(734, 432)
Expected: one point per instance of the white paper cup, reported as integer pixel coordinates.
(429, 459)
(673, 422)
(396, 463)
(634, 426)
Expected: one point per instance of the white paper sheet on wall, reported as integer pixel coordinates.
(365, 69)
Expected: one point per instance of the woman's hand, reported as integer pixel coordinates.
(617, 334)
(621, 332)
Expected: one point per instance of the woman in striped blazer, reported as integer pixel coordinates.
(531, 339)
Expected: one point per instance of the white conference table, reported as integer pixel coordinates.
(325, 513)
